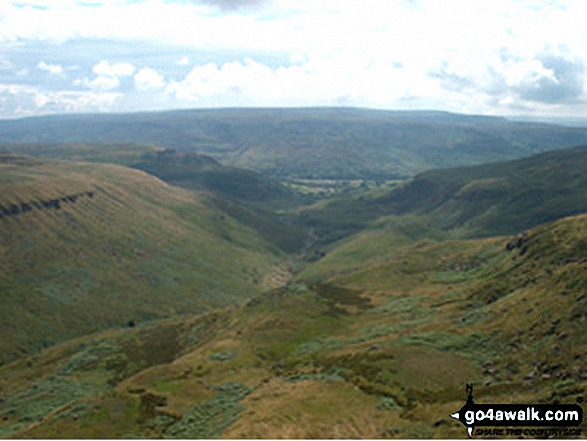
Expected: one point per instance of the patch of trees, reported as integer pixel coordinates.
(14, 209)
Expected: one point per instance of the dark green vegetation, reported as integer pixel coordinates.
(249, 197)
(192, 170)
(236, 307)
(499, 198)
(323, 143)
(121, 154)
(475, 201)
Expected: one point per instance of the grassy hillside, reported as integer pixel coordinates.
(474, 201)
(192, 170)
(88, 246)
(500, 198)
(248, 196)
(135, 308)
(111, 153)
(315, 143)
(382, 350)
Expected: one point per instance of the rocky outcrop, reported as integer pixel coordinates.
(12, 209)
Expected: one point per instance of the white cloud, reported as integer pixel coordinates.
(148, 79)
(101, 82)
(462, 56)
(250, 78)
(20, 101)
(54, 69)
(351, 78)
(107, 76)
(307, 25)
(104, 68)
(5, 64)
(524, 71)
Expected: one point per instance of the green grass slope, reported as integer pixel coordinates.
(474, 201)
(88, 246)
(499, 198)
(248, 196)
(192, 170)
(380, 351)
(111, 153)
(315, 143)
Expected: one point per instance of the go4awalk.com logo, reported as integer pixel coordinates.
(539, 420)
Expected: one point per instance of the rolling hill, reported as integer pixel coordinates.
(175, 296)
(184, 169)
(500, 198)
(314, 143)
(248, 196)
(381, 351)
(84, 247)
(196, 171)
(474, 201)
(110, 153)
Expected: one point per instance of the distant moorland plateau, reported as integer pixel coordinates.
(317, 143)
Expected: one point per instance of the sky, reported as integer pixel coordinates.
(498, 57)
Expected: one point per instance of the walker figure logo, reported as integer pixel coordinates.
(514, 415)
